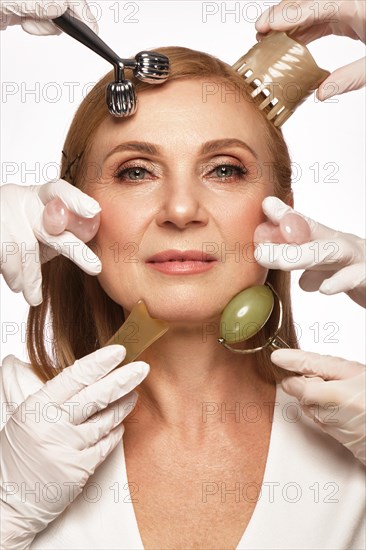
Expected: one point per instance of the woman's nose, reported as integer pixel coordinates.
(182, 203)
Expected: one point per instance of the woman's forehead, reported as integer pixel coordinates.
(190, 112)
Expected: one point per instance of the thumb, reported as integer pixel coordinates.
(347, 78)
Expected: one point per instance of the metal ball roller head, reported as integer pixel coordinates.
(151, 67)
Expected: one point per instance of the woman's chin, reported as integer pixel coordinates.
(180, 311)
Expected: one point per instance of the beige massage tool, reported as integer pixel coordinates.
(283, 71)
(138, 332)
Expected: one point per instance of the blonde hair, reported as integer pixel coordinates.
(81, 315)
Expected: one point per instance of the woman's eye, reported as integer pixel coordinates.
(221, 171)
(227, 171)
(134, 173)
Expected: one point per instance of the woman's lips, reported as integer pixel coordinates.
(179, 267)
(181, 255)
(182, 262)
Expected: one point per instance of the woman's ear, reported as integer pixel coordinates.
(290, 200)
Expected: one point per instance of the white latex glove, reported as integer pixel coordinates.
(309, 20)
(333, 261)
(21, 225)
(35, 16)
(56, 450)
(334, 398)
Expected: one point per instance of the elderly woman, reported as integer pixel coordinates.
(215, 454)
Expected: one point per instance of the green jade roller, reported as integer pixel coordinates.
(246, 314)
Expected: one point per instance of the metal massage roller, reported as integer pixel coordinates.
(151, 67)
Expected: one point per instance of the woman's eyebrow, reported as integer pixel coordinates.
(208, 147)
(216, 144)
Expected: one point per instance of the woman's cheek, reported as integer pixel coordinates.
(118, 270)
(243, 225)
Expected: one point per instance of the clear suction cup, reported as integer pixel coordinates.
(138, 332)
(292, 229)
(57, 218)
(246, 314)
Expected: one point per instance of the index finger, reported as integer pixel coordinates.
(72, 248)
(309, 363)
(322, 255)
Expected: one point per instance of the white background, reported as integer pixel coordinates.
(34, 127)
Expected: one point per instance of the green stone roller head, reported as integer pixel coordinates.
(246, 314)
(138, 332)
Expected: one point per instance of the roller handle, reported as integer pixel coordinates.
(82, 33)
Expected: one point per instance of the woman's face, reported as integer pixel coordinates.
(182, 174)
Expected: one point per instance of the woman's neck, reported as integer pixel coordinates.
(195, 384)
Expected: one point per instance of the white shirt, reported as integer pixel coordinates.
(312, 497)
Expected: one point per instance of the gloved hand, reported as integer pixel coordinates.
(21, 225)
(56, 457)
(36, 16)
(335, 397)
(333, 261)
(308, 21)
